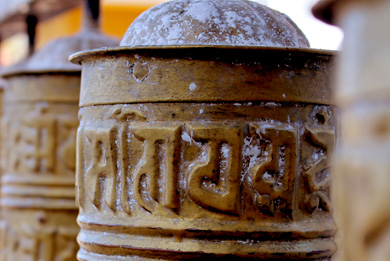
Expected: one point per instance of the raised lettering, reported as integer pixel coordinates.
(274, 176)
(67, 137)
(214, 181)
(101, 175)
(316, 171)
(158, 166)
(125, 116)
(39, 135)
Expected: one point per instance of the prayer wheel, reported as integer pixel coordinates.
(207, 134)
(38, 141)
(362, 168)
(3, 83)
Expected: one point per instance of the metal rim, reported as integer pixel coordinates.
(77, 58)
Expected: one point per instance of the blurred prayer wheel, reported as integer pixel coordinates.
(3, 83)
(213, 143)
(362, 167)
(38, 139)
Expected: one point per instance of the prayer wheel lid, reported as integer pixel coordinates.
(324, 10)
(165, 52)
(213, 23)
(54, 56)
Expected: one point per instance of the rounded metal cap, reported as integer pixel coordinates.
(324, 10)
(214, 22)
(54, 56)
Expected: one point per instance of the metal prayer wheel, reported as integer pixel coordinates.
(3, 83)
(199, 138)
(38, 139)
(362, 169)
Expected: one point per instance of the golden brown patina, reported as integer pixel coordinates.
(37, 184)
(205, 151)
(38, 141)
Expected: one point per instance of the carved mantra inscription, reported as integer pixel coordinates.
(41, 142)
(156, 164)
(273, 176)
(39, 240)
(39, 214)
(214, 181)
(316, 168)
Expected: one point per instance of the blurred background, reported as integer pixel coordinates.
(57, 18)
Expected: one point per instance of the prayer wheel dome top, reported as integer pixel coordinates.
(214, 22)
(324, 10)
(54, 56)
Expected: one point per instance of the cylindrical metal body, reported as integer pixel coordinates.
(3, 83)
(205, 152)
(38, 139)
(362, 168)
(39, 148)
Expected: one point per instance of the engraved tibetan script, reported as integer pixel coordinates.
(101, 175)
(128, 163)
(159, 161)
(316, 171)
(44, 243)
(273, 177)
(42, 143)
(39, 138)
(214, 182)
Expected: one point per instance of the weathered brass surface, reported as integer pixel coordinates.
(205, 153)
(194, 144)
(164, 74)
(39, 163)
(38, 141)
(213, 22)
